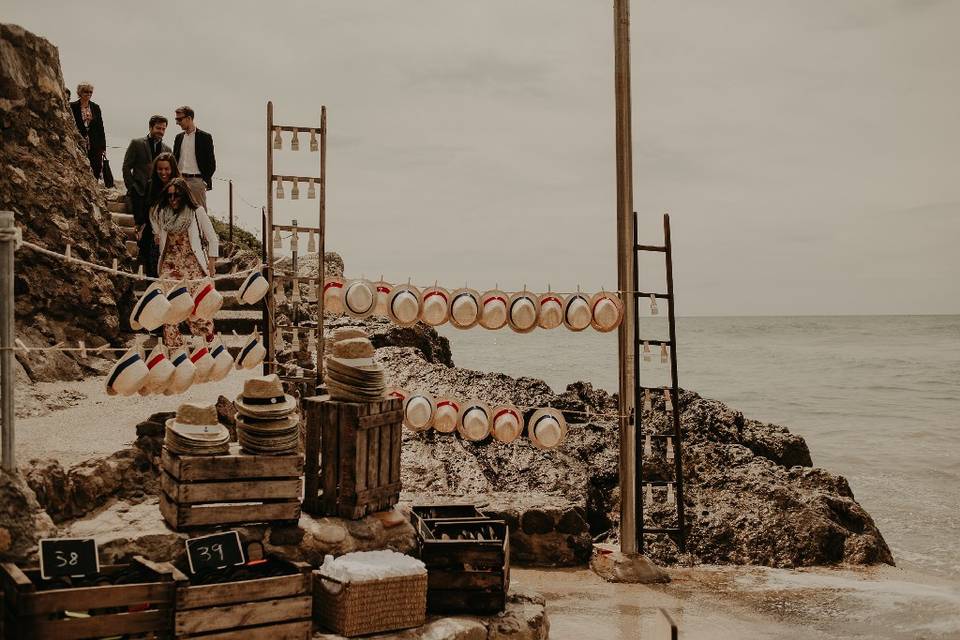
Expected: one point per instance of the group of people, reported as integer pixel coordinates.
(167, 193)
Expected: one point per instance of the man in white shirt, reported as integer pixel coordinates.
(193, 149)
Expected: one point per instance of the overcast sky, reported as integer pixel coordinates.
(808, 152)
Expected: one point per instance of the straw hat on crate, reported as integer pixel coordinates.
(263, 397)
(196, 430)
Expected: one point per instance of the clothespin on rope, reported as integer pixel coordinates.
(669, 449)
(646, 351)
(648, 491)
(664, 354)
(647, 400)
(667, 402)
(83, 350)
(670, 496)
(653, 305)
(68, 252)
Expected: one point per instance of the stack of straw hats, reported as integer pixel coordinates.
(267, 418)
(351, 373)
(196, 431)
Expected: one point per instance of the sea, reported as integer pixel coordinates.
(877, 399)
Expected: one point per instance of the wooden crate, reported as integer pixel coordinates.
(465, 576)
(206, 491)
(427, 514)
(273, 608)
(32, 614)
(352, 463)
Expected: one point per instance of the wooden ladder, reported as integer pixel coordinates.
(648, 443)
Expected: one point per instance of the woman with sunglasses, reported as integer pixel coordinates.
(164, 169)
(188, 246)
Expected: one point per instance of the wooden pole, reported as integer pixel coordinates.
(231, 212)
(7, 375)
(321, 258)
(268, 238)
(626, 256)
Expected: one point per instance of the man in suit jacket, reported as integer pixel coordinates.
(137, 168)
(193, 149)
(91, 127)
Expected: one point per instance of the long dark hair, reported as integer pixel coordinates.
(183, 189)
(155, 190)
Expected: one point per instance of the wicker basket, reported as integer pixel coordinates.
(360, 608)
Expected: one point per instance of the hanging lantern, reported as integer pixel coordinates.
(295, 340)
(648, 446)
(664, 354)
(311, 341)
(294, 142)
(670, 497)
(313, 140)
(279, 296)
(669, 449)
(653, 305)
(667, 402)
(295, 191)
(279, 188)
(311, 190)
(311, 291)
(646, 352)
(311, 243)
(648, 491)
(277, 139)
(295, 296)
(294, 238)
(277, 240)
(647, 400)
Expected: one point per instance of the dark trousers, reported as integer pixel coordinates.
(149, 252)
(96, 161)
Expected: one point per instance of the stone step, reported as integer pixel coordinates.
(133, 249)
(130, 232)
(117, 206)
(243, 322)
(122, 219)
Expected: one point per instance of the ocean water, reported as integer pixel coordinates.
(877, 399)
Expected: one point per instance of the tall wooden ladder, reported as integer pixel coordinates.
(660, 448)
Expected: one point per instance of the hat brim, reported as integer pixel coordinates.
(566, 307)
(433, 411)
(595, 300)
(534, 300)
(464, 409)
(532, 431)
(473, 293)
(487, 295)
(435, 292)
(544, 300)
(279, 409)
(354, 313)
(391, 301)
(506, 438)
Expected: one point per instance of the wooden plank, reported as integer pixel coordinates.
(440, 553)
(468, 580)
(396, 438)
(199, 515)
(301, 630)
(373, 421)
(387, 453)
(242, 490)
(346, 435)
(375, 494)
(313, 428)
(82, 599)
(242, 615)
(373, 459)
(105, 625)
(330, 458)
(169, 511)
(458, 601)
(237, 466)
(363, 459)
(192, 597)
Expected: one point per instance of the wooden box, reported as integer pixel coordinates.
(465, 574)
(138, 609)
(430, 513)
(352, 463)
(273, 608)
(206, 491)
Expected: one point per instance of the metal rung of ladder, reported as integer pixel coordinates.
(647, 294)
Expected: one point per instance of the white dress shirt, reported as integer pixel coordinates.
(188, 153)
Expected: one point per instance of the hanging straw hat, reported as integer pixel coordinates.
(181, 303)
(475, 421)
(464, 308)
(161, 370)
(383, 298)
(523, 310)
(507, 423)
(403, 306)
(253, 288)
(263, 397)
(222, 360)
(183, 374)
(447, 415)
(576, 312)
(203, 361)
(207, 301)
(252, 352)
(150, 309)
(493, 309)
(418, 411)
(435, 309)
(607, 311)
(333, 294)
(547, 428)
(128, 375)
(359, 298)
(551, 310)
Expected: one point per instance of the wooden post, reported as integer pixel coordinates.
(264, 240)
(268, 238)
(321, 258)
(626, 256)
(230, 236)
(7, 247)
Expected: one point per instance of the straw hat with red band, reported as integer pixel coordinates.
(607, 311)
(207, 301)
(447, 415)
(150, 309)
(183, 373)
(161, 369)
(464, 308)
(181, 303)
(359, 298)
(128, 375)
(333, 295)
(435, 308)
(403, 306)
(475, 420)
(547, 428)
(418, 411)
(493, 309)
(551, 311)
(523, 310)
(507, 423)
(576, 312)
(383, 297)
(203, 361)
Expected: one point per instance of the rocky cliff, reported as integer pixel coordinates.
(46, 180)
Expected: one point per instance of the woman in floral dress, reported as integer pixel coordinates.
(188, 247)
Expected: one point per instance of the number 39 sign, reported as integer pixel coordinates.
(216, 551)
(74, 557)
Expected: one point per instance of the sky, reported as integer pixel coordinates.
(807, 152)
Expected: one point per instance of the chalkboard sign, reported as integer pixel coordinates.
(74, 557)
(216, 551)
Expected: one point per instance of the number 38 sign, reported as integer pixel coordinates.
(74, 557)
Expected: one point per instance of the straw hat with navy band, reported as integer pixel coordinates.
(551, 311)
(359, 298)
(606, 310)
(576, 312)
(253, 288)
(523, 311)
(252, 352)
(403, 306)
(263, 397)
(150, 310)
(464, 308)
(493, 309)
(547, 428)
(181, 304)
(222, 361)
(474, 421)
(128, 374)
(183, 374)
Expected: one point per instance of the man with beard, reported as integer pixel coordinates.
(137, 166)
(193, 149)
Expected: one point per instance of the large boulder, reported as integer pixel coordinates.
(22, 520)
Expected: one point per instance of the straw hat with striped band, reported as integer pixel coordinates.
(161, 369)
(128, 374)
(464, 308)
(359, 298)
(222, 360)
(252, 352)
(493, 309)
(253, 288)
(551, 311)
(447, 415)
(150, 309)
(183, 373)
(333, 294)
(523, 311)
(203, 361)
(418, 411)
(383, 297)
(576, 312)
(435, 308)
(607, 311)
(181, 303)
(403, 306)
(547, 428)
(507, 423)
(207, 301)
(475, 419)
